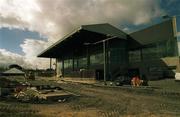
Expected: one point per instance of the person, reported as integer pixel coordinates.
(136, 81)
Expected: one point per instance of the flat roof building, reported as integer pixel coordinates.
(103, 52)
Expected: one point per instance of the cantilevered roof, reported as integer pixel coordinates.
(84, 34)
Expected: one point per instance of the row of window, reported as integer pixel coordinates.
(155, 51)
(118, 55)
(114, 55)
(82, 62)
(97, 59)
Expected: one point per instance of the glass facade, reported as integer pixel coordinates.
(178, 23)
(68, 63)
(135, 56)
(76, 63)
(117, 55)
(161, 49)
(154, 51)
(82, 62)
(151, 53)
(96, 59)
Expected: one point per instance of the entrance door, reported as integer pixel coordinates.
(99, 74)
(133, 72)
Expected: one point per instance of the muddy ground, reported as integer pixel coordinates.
(102, 101)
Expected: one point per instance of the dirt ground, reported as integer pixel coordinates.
(103, 101)
(100, 101)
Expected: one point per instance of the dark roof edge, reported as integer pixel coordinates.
(59, 41)
(73, 32)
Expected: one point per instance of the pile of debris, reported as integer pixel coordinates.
(26, 92)
(42, 93)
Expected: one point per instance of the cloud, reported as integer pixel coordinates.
(7, 58)
(56, 18)
(32, 48)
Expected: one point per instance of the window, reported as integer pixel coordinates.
(96, 59)
(135, 56)
(68, 63)
(117, 55)
(159, 50)
(82, 62)
(75, 63)
(149, 53)
(171, 48)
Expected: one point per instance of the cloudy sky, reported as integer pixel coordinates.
(27, 27)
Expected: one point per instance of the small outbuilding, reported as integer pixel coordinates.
(13, 72)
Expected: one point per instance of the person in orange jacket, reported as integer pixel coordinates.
(136, 81)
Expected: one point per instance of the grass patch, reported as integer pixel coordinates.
(12, 109)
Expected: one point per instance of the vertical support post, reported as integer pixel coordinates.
(104, 52)
(50, 65)
(56, 68)
(62, 68)
(108, 71)
(141, 55)
(88, 57)
(73, 63)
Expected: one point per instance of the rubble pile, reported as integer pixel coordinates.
(42, 93)
(29, 94)
(35, 91)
